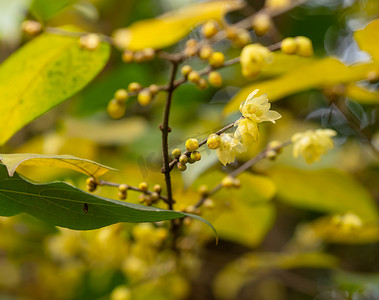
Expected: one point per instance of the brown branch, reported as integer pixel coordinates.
(261, 155)
(132, 188)
(164, 127)
(203, 142)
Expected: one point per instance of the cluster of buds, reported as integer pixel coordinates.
(190, 156)
(149, 197)
(299, 45)
(144, 55)
(210, 29)
(261, 24)
(117, 106)
(214, 77)
(91, 184)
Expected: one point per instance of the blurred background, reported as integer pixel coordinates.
(276, 250)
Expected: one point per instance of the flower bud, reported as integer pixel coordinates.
(122, 195)
(209, 29)
(191, 48)
(208, 203)
(139, 57)
(192, 145)
(230, 182)
(202, 84)
(116, 109)
(194, 77)
(185, 70)
(123, 188)
(134, 87)
(176, 153)
(214, 141)
(121, 95)
(289, 46)
(90, 41)
(217, 59)
(144, 97)
(157, 188)
(205, 52)
(215, 79)
(148, 54)
(373, 76)
(181, 167)
(127, 56)
(203, 190)
(183, 159)
(154, 89)
(242, 39)
(154, 196)
(304, 46)
(31, 27)
(261, 24)
(195, 155)
(143, 186)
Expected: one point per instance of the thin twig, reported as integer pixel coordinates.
(203, 142)
(132, 188)
(261, 155)
(165, 130)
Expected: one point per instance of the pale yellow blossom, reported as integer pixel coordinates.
(247, 131)
(253, 58)
(313, 143)
(229, 147)
(258, 109)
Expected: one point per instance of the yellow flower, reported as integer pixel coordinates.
(258, 109)
(313, 143)
(253, 58)
(228, 148)
(247, 131)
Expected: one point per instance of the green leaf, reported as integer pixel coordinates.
(327, 190)
(46, 9)
(85, 166)
(61, 204)
(42, 74)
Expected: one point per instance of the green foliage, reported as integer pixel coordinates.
(41, 75)
(63, 205)
(45, 9)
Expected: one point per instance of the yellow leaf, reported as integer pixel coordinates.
(244, 223)
(242, 215)
(328, 231)
(323, 190)
(112, 132)
(361, 95)
(368, 39)
(85, 166)
(169, 28)
(323, 72)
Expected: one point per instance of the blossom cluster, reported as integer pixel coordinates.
(254, 110)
